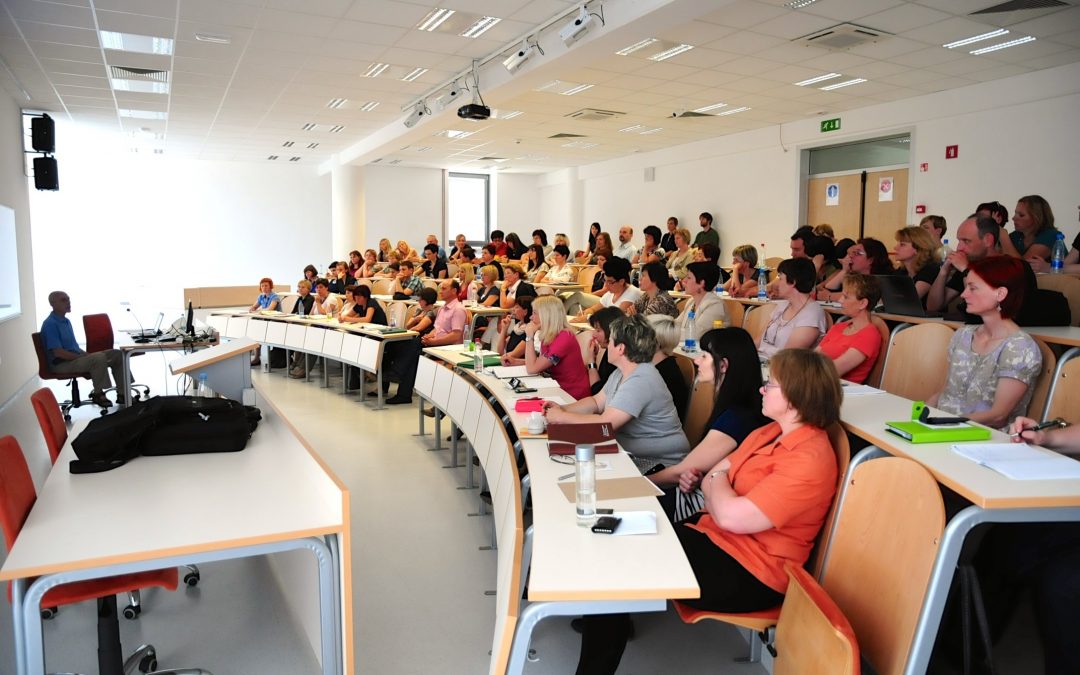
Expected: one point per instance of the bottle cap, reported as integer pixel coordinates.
(585, 453)
(719, 323)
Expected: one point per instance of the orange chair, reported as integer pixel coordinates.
(17, 497)
(99, 338)
(46, 373)
(52, 423)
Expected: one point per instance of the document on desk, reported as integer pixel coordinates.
(635, 522)
(1020, 461)
(852, 389)
(506, 372)
(539, 383)
(616, 488)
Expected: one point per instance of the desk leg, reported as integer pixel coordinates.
(419, 413)
(18, 594)
(380, 396)
(124, 388)
(535, 612)
(453, 447)
(345, 379)
(331, 625)
(438, 430)
(470, 452)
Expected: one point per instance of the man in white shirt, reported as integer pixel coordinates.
(699, 282)
(625, 247)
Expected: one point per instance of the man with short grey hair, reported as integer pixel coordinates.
(66, 356)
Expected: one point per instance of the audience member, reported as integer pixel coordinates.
(707, 235)
(407, 284)
(651, 251)
(598, 366)
(326, 303)
(449, 327)
(654, 286)
(460, 243)
(515, 248)
(65, 356)
(727, 359)
(764, 505)
(667, 339)
(1033, 233)
(617, 284)
(825, 230)
(305, 304)
(540, 239)
(384, 250)
(310, 273)
(498, 242)
(602, 256)
(534, 260)
(743, 282)
(487, 293)
(466, 276)
(434, 266)
(625, 247)
(391, 270)
(339, 278)
(603, 240)
(1072, 260)
(992, 366)
(356, 261)
(514, 285)
(268, 299)
(422, 319)
(914, 251)
(936, 227)
(559, 354)
(701, 279)
(361, 308)
(511, 342)
(682, 255)
(854, 345)
(797, 321)
(667, 242)
(367, 270)
(868, 256)
(559, 270)
(594, 234)
(407, 252)
(440, 252)
(487, 257)
(707, 252)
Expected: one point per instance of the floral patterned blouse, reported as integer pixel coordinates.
(973, 378)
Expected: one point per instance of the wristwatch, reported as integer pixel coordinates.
(592, 366)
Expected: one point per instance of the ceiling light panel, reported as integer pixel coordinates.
(132, 42)
(820, 78)
(213, 39)
(668, 53)
(1003, 45)
(637, 46)
(977, 38)
(141, 86)
(413, 74)
(480, 26)
(506, 114)
(710, 108)
(636, 127)
(845, 83)
(376, 69)
(336, 103)
(654, 130)
(732, 111)
(142, 114)
(799, 4)
(369, 106)
(434, 19)
(563, 87)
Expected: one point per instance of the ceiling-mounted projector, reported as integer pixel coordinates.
(474, 111)
(573, 31)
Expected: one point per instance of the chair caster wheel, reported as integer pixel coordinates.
(49, 612)
(132, 612)
(148, 664)
(192, 579)
(67, 418)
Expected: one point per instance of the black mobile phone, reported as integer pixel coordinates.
(944, 420)
(606, 524)
(524, 390)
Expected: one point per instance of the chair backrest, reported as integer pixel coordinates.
(451, 270)
(381, 286)
(1064, 398)
(99, 332)
(917, 362)
(1067, 285)
(882, 553)
(813, 637)
(687, 369)
(839, 441)
(586, 276)
(288, 303)
(874, 378)
(1041, 389)
(755, 320)
(51, 421)
(734, 311)
(583, 260)
(773, 262)
(699, 411)
(17, 493)
(584, 341)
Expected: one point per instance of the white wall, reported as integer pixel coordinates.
(1017, 136)
(142, 229)
(517, 204)
(401, 203)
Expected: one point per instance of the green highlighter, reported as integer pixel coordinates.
(922, 428)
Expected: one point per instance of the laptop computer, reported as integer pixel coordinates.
(898, 295)
(148, 333)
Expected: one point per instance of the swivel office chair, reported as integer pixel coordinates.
(99, 337)
(17, 497)
(46, 373)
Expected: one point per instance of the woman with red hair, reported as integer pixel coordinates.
(992, 366)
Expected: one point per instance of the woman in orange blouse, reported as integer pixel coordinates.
(764, 505)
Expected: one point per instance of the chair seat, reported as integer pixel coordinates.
(91, 589)
(758, 621)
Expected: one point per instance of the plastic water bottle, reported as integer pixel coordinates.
(689, 335)
(719, 290)
(478, 357)
(204, 390)
(393, 320)
(1058, 254)
(585, 472)
(466, 338)
(945, 249)
(762, 283)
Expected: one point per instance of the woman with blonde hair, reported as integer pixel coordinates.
(407, 252)
(466, 275)
(743, 282)
(560, 355)
(367, 269)
(384, 250)
(667, 339)
(915, 252)
(682, 256)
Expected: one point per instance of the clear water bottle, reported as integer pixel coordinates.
(392, 319)
(585, 472)
(1058, 254)
(762, 283)
(466, 338)
(204, 390)
(689, 335)
(478, 357)
(719, 290)
(945, 249)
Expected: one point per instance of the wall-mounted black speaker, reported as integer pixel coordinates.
(45, 175)
(43, 134)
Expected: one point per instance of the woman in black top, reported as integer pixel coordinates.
(363, 309)
(511, 342)
(598, 367)
(515, 249)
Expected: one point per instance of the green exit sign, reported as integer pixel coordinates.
(830, 125)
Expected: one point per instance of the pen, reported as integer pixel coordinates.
(1056, 422)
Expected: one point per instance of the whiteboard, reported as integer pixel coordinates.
(9, 266)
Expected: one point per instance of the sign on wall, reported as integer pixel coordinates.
(832, 194)
(885, 189)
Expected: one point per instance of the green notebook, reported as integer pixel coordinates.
(489, 361)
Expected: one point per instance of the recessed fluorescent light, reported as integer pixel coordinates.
(633, 128)
(142, 114)
(272, 157)
(141, 86)
(507, 115)
(131, 42)
(977, 38)
(310, 126)
(845, 83)
(369, 106)
(416, 72)
(434, 19)
(294, 159)
(708, 108)
(312, 146)
(424, 148)
(799, 4)
(213, 39)
(454, 133)
(626, 51)
(652, 131)
(1003, 45)
(337, 102)
(288, 144)
(584, 145)
(480, 27)
(668, 53)
(376, 69)
(819, 78)
(336, 128)
(578, 89)
(732, 111)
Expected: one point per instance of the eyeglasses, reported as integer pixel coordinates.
(856, 252)
(767, 383)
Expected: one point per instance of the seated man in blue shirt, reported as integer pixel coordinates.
(65, 355)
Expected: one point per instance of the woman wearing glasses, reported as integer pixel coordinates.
(868, 256)
(797, 322)
(764, 505)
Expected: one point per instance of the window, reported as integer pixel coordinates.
(468, 208)
(891, 151)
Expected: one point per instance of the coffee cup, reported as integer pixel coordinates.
(537, 423)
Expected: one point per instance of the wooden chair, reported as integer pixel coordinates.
(882, 554)
(1064, 397)
(755, 321)
(813, 637)
(735, 311)
(917, 361)
(699, 411)
(762, 622)
(874, 378)
(46, 373)
(51, 421)
(587, 275)
(773, 262)
(583, 260)
(1067, 285)
(1041, 388)
(381, 286)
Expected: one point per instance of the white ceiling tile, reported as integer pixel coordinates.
(220, 12)
(537, 11)
(330, 8)
(968, 64)
(65, 35)
(674, 88)
(749, 65)
(904, 17)
(928, 57)
(941, 84)
(705, 58)
(793, 25)
(358, 51)
(887, 48)
(876, 70)
(849, 10)
(97, 81)
(52, 13)
(911, 78)
(666, 70)
(161, 8)
(744, 14)
(751, 85)
(52, 50)
(834, 61)
(697, 33)
(710, 78)
(122, 22)
(949, 30)
(208, 66)
(372, 33)
(1064, 21)
(295, 23)
(389, 13)
(1025, 52)
(958, 7)
(746, 42)
(209, 50)
(1058, 59)
(73, 67)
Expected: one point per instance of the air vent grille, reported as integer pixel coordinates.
(567, 136)
(140, 74)
(1017, 5)
(842, 37)
(594, 114)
